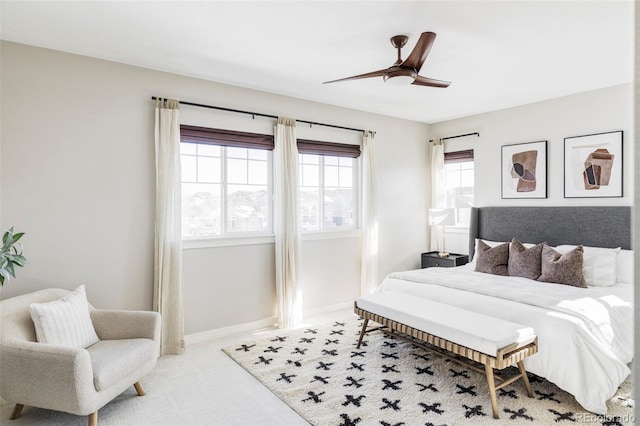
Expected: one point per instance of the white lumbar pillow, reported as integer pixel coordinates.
(64, 322)
(599, 264)
(624, 267)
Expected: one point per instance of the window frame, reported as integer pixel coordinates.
(329, 149)
(225, 139)
(456, 157)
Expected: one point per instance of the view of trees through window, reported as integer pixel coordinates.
(225, 190)
(326, 192)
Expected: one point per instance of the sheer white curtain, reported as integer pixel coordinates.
(437, 187)
(167, 289)
(287, 223)
(369, 264)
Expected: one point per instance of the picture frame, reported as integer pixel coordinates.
(524, 170)
(593, 165)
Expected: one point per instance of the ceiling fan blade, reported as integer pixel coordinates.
(426, 81)
(378, 73)
(420, 51)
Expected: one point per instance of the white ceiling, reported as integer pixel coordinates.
(497, 54)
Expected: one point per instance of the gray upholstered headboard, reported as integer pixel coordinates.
(601, 226)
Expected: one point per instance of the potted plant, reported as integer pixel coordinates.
(10, 255)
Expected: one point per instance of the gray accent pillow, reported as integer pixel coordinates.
(562, 268)
(524, 262)
(492, 260)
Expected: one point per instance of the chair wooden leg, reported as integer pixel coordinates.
(525, 379)
(139, 388)
(17, 411)
(492, 389)
(364, 329)
(93, 419)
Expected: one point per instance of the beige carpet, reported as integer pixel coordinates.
(200, 387)
(320, 374)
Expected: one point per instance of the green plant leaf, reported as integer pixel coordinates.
(10, 269)
(10, 255)
(6, 238)
(17, 236)
(18, 259)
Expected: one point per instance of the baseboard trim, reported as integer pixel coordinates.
(217, 333)
(327, 309)
(271, 322)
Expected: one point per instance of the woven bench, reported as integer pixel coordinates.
(493, 342)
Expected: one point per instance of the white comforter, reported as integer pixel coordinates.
(585, 336)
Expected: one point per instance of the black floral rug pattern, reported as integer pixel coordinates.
(319, 373)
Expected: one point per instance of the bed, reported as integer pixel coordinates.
(585, 334)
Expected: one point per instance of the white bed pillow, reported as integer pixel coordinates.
(64, 322)
(624, 266)
(599, 264)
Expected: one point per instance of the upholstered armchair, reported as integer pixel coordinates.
(70, 379)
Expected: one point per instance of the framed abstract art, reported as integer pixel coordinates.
(593, 165)
(524, 170)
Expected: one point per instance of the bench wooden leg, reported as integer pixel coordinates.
(139, 388)
(525, 379)
(93, 419)
(492, 389)
(17, 411)
(364, 329)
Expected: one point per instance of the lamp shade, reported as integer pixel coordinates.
(460, 197)
(442, 217)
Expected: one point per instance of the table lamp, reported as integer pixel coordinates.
(442, 218)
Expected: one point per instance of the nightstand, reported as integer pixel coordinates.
(432, 259)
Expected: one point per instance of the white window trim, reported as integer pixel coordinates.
(226, 241)
(244, 240)
(197, 242)
(355, 186)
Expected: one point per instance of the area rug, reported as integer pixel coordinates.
(319, 373)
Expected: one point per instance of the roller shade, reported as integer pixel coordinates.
(306, 146)
(458, 156)
(223, 137)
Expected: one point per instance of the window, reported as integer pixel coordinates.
(328, 185)
(459, 182)
(226, 189)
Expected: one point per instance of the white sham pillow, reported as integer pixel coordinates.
(64, 322)
(599, 264)
(624, 266)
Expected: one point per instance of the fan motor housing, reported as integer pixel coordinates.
(400, 75)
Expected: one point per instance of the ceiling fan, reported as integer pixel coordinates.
(405, 72)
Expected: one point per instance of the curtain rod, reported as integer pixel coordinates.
(259, 114)
(458, 136)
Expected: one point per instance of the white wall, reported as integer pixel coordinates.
(602, 110)
(77, 175)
